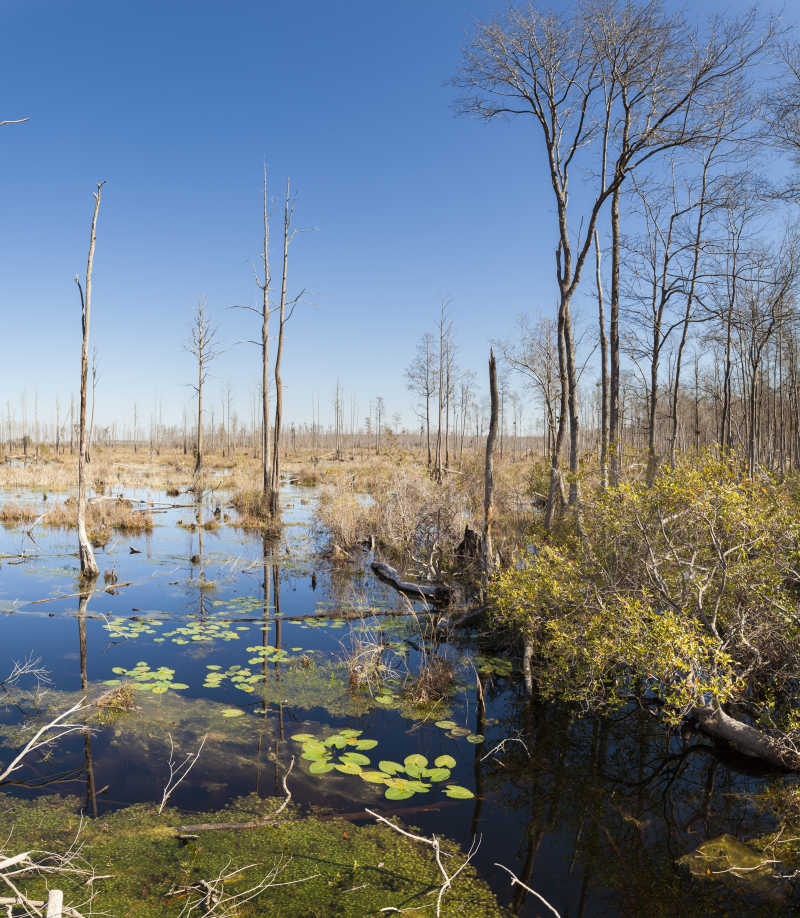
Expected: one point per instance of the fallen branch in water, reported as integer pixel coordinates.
(47, 864)
(435, 592)
(51, 732)
(211, 901)
(515, 881)
(178, 772)
(714, 722)
(186, 832)
(112, 587)
(434, 843)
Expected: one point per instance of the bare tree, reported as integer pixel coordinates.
(766, 301)
(283, 317)
(488, 477)
(624, 76)
(95, 377)
(445, 329)
(202, 345)
(421, 379)
(89, 568)
(534, 354)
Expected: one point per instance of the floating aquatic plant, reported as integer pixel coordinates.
(205, 632)
(145, 679)
(455, 732)
(119, 627)
(343, 752)
(493, 666)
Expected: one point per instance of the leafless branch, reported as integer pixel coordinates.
(51, 732)
(177, 772)
(434, 843)
(515, 881)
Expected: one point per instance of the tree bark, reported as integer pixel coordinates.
(748, 740)
(613, 420)
(603, 369)
(276, 467)
(265, 443)
(488, 477)
(89, 569)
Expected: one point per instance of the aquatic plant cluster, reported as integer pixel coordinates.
(343, 752)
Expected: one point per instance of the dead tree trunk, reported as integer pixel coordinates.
(265, 455)
(603, 370)
(89, 569)
(90, 439)
(283, 318)
(202, 345)
(488, 478)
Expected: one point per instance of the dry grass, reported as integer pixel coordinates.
(416, 519)
(13, 512)
(103, 517)
(433, 682)
(253, 510)
(365, 660)
(111, 467)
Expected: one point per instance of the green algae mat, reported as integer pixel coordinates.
(318, 866)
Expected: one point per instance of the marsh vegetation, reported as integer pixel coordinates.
(534, 651)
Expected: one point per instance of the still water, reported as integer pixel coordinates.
(236, 638)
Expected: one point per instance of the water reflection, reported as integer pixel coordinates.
(593, 813)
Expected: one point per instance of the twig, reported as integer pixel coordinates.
(515, 881)
(189, 831)
(40, 738)
(437, 850)
(178, 772)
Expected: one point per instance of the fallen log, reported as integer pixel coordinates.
(748, 740)
(433, 592)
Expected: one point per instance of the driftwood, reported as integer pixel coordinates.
(433, 592)
(110, 588)
(55, 906)
(748, 740)
(187, 832)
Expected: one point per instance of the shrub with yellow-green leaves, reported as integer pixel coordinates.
(685, 591)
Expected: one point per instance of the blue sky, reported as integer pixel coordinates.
(177, 105)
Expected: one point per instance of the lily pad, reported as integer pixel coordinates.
(457, 792)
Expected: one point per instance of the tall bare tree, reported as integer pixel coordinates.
(95, 377)
(421, 379)
(202, 345)
(285, 311)
(89, 568)
(614, 73)
(488, 474)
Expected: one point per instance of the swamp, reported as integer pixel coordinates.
(400, 513)
(220, 672)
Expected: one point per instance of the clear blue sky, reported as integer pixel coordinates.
(176, 105)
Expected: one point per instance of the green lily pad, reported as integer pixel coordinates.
(319, 767)
(460, 731)
(366, 743)
(356, 758)
(398, 793)
(374, 777)
(348, 768)
(475, 738)
(445, 761)
(391, 768)
(457, 792)
(436, 774)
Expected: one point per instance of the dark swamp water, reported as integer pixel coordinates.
(593, 813)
